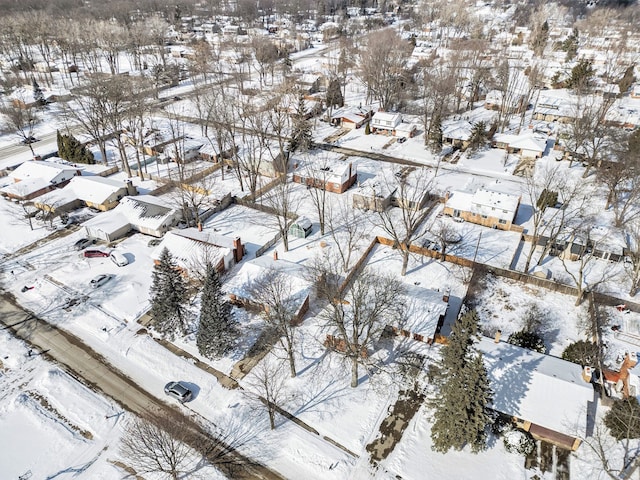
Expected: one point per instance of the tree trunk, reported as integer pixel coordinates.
(272, 416)
(354, 372)
(292, 362)
(405, 261)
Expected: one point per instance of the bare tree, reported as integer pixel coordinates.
(445, 234)
(283, 204)
(356, 314)
(276, 293)
(347, 227)
(267, 382)
(158, 445)
(632, 259)
(383, 66)
(22, 118)
(411, 189)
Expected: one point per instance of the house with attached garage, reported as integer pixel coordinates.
(37, 177)
(489, 208)
(424, 316)
(351, 117)
(527, 146)
(375, 193)
(143, 213)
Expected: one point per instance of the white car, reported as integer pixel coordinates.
(100, 280)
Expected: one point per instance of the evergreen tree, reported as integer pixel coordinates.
(462, 410)
(539, 39)
(435, 135)
(168, 297)
(529, 340)
(581, 76)
(218, 329)
(38, 96)
(72, 150)
(367, 129)
(301, 135)
(334, 94)
(61, 145)
(478, 136)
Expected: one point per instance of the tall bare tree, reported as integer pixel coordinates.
(281, 201)
(347, 228)
(267, 382)
(274, 291)
(356, 314)
(411, 189)
(21, 117)
(383, 66)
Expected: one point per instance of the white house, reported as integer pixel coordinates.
(36, 177)
(527, 145)
(385, 122)
(486, 207)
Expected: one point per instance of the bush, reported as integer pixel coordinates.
(623, 420)
(529, 340)
(502, 424)
(581, 352)
(519, 441)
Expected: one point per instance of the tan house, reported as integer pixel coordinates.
(485, 207)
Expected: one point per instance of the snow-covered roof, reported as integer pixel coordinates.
(355, 114)
(526, 141)
(325, 169)
(495, 204)
(380, 185)
(190, 248)
(25, 187)
(457, 130)
(94, 189)
(542, 389)
(303, 222)
(142, 210)
(42, 169)
(386, 119)
(424, 308)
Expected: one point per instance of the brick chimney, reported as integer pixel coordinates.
(238, 250)
(199, 226)
(586, 374)
(497, 337)
(275, 255)
(131, 189)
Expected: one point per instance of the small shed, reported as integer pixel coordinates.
(301, 228)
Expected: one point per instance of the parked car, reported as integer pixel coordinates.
(402, 139)
(95, 253)
(119, 259)
(154, 242)
(83, 243)
(100, 280)
(458, 219)
(179, 391)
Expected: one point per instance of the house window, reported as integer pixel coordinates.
(485, 216)
(456, 213)
(502, 222)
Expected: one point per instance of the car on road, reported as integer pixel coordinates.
(29, 140)
(100, 280)
(83, 243)
(179, 391)
(402, 139)
(93, 253)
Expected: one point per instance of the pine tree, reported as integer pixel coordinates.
(168, 297)
(301, 135)
(435, 135)
(218, 329)
(462, 409)
(334, 94)
(61, 145)
(367, 129)
(72, 150)
(478, 136)
(38, 96)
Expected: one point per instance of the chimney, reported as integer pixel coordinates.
(275, 255)
(497, 338)
(131, 189)
(199, 226)
(586, 374)
(238, 250)
(445, 297)
(633, 359)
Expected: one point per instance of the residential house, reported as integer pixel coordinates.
(457, 133)
(406, 130)
(425, 314)
(546, 396)
(333, 176)
(351, 118)
(92, 191)
(239, 291)
(489, 208)
(385, 122)
(528, 145)
(193, 249)
(493, 101)
(374, 193)
(37, 177)
(143, 213)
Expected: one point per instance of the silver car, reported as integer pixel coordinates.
(179, 391)
(100, 280)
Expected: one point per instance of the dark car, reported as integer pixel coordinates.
(29, 140)
(95, 253)
(402, 139)
(83, 243)
(179, 391)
